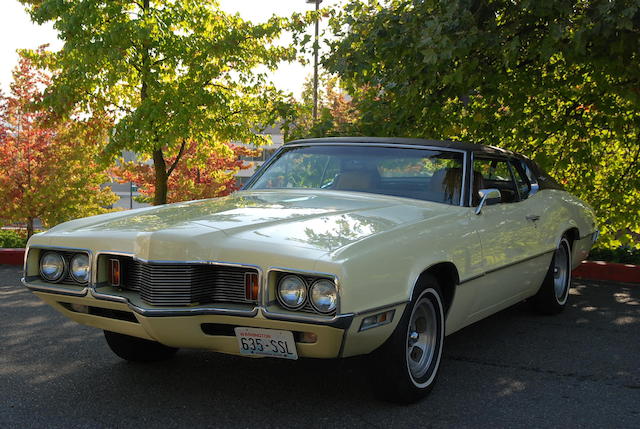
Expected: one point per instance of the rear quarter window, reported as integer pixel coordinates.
(545, 181)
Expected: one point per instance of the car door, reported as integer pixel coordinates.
(542, 208)
(506, 236)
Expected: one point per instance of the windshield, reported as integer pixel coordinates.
(424, 174)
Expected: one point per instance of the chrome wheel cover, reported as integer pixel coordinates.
(422, 337)
(561, 272)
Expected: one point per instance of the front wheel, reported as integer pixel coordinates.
(554, 291)
(407, 364)
(136, 349)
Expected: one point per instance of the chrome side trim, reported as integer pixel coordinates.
(391, 145)
(506, 266)
(470, 196)
(464, 189)
(380, 308)
(533, 180)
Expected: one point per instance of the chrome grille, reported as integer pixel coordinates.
(185, 284)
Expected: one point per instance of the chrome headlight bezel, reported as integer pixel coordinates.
(76, 277)
(63, 271)
(333, 290)
(303, 288)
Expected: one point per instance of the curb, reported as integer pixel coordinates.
(588, 270)
(12, 256)
(608, 271)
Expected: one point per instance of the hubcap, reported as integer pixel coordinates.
(561, 273)
(421, 338)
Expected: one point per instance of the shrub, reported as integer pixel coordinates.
(11, 239)
(622, 254)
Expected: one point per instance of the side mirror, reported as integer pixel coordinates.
(488, 197)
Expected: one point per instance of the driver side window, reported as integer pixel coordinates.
(496, 173)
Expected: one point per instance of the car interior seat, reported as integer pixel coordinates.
(448, 183)
(356, 180)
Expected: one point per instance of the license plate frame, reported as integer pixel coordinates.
(266, 342)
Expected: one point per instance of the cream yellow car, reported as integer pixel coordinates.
(336, 247)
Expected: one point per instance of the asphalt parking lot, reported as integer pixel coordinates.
(514, 369)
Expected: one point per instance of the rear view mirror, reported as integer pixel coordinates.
(488, 197)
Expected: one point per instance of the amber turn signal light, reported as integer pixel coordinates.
(376, 320)
(251, 286)
(114, 272)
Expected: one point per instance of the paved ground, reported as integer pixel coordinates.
(515, 369)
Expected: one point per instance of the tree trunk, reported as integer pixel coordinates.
(160, 167)
(29, 227)
(159, 164)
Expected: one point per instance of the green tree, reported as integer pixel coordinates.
(557, 80)
(337, 114)
(170, 72)
(48, 169)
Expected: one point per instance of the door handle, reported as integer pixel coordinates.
(533, 218)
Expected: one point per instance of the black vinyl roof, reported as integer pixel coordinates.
(448, 144)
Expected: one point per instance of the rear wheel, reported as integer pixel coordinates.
(406, 366)
(136, 349)
(554, 291)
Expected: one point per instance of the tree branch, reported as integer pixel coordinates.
(217, 85)
(180, 153)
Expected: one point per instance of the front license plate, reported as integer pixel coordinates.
(266, 342)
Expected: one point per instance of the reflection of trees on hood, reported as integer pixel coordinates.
(240, 208)
(173, 215)
(338, 231)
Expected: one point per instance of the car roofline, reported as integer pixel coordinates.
(445, 144)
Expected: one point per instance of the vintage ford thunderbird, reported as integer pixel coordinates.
(336, 247)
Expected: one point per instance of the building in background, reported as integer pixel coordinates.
(127, 192)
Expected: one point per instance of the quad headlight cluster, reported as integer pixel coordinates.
(54, 266)
(293, 293)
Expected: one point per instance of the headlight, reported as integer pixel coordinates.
(292, 292)
(324, 296)
(52, 266)
(80, 267)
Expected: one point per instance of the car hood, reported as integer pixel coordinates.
(321, 220)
